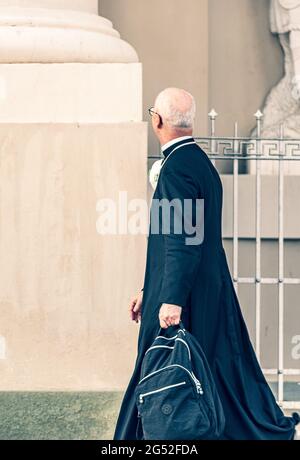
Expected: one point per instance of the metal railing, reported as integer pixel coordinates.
(259, 149)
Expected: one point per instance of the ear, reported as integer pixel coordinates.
(158, 121)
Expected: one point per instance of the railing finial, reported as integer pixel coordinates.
(258, 115)
(213, 114)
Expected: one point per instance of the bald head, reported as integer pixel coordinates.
(177, 108)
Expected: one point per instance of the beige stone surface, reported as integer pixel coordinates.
(84, 93)
(245, 61)
(171, 39)
(64, 289)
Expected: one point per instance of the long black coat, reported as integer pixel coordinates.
(197, 278)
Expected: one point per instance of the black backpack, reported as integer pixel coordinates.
(173, 403)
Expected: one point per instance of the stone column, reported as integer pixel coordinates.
(71, 133)
(88, 6)
(34, 32)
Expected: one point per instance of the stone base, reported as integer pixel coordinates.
(70, 93)
(65, 289)
(59, 416)
(47, 35)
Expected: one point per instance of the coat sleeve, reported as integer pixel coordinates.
(181, 260)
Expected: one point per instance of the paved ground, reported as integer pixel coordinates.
(63, 416)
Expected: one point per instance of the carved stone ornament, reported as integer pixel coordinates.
(282, 106)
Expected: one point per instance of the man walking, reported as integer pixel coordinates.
(192, 282)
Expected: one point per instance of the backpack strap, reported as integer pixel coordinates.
(180, 327)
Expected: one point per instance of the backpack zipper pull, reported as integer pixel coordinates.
(199, 388)
(198, 384)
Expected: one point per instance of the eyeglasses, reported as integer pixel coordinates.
(152, 112)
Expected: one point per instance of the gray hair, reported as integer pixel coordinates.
(177, 107)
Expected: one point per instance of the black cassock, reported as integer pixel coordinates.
(197, 278)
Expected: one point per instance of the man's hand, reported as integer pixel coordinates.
(169, 315)
(135, 307)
